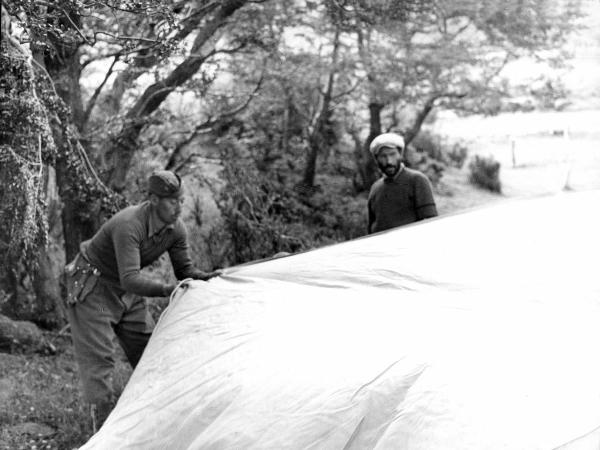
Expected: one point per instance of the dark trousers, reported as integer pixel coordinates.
(95, 320)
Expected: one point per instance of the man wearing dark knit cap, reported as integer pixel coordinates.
(105, 285)
(402, 195)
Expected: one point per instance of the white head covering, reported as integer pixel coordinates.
(386, 140)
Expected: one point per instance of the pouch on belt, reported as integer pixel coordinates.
(81, 278)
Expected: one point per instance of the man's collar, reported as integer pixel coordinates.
(155, 225)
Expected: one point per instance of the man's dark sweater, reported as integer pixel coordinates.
(134, 238)
(403, 199)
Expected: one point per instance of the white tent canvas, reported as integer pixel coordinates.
(478, 330)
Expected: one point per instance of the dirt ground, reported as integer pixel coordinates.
(40, 406)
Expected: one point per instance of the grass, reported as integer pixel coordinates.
(40, 406)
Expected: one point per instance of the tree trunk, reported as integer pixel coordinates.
(412, 132)
(78, 225)
(369, 169)
(32, 292)
(122, 149)
(317, 138)
(285, 128)
(35, 297)
(64, 67)
(308, 179)
(47, 281)
(145, 59)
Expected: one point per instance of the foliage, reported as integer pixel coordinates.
(258, 219)
(430, 154)
(26, 145)
(429, 144)
(88, 196)
(293, 121)
(351, 14)
(438, 148)
(263, 216)
(452, 54)
(62, 23)
(485, 173)
(37, 133)
(457, 154)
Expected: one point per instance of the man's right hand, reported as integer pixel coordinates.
(169, 288)
(205, 276)
(214, 273)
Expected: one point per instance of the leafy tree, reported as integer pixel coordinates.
(26, 147)
(68, 35)
(292, 121)
(447, 54)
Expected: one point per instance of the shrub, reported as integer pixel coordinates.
(259, 218)
(262, 215)
(430, 154)
(485, 173)
(429, 144)
(457, 155)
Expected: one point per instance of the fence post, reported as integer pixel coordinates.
(567, 139)
(513, 144)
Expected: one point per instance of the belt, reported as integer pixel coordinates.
(81, 278)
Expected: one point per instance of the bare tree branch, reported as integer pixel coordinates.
(79, 32)
(208, 125)
(122, 148)
(124, 38)
(121, 52)
(347, 91)
(146, 59)
(317, 137)
(183, 163)
(92, 59)
(92, 102)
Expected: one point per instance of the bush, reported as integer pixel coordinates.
(260, 219)
(426, 154)
(429, 144)
(457, 155)
(485, 173)
(262, 214)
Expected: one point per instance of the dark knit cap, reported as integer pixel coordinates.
(165, 183)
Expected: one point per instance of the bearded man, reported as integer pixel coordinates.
(402, 195)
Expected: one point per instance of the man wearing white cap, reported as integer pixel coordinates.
(402, 195)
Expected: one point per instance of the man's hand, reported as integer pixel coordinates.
(169, 288)
(208, 275)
